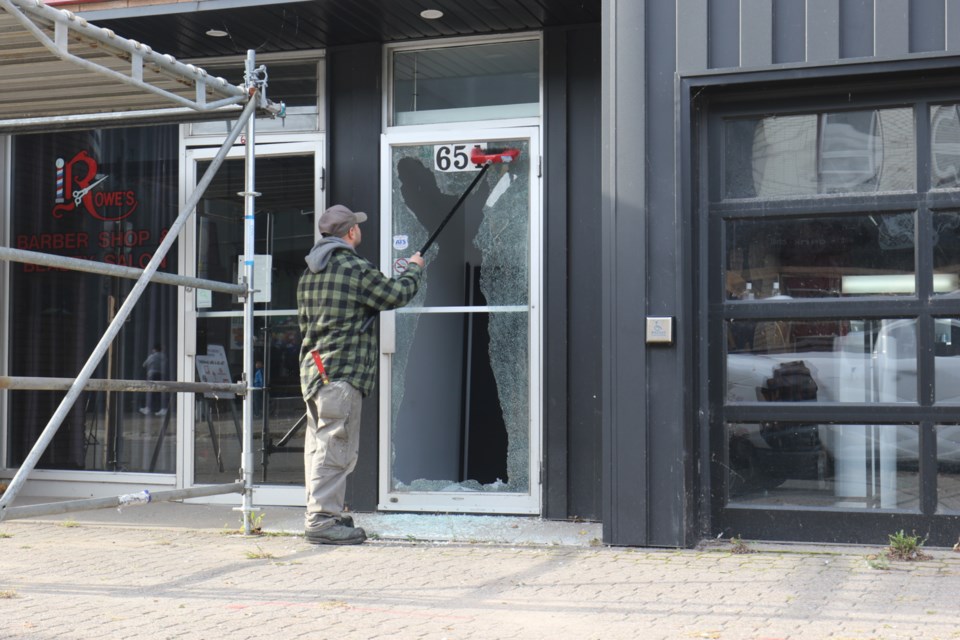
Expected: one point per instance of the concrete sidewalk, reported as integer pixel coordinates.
(192, 576)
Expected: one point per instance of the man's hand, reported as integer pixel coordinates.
(417, 259)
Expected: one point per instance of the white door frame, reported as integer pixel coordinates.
(309, 144)
(464, 502)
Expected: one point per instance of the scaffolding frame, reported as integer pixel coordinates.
(29, 30)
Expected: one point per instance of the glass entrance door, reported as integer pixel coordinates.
(287, 177)
(460, 425)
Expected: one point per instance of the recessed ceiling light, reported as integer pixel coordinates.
(431, 14)
(217, 33)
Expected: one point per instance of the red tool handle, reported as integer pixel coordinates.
(478, 157)
(319, 363)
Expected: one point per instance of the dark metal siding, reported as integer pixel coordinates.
(624, 227)
(723, 29)
(788, 23)
(572, 441)
(556, 324)
(927, 31)
(760, 33)
(353, 178)
(855, 40)
(668, 409)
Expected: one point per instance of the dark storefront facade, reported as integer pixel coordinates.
(716, 295)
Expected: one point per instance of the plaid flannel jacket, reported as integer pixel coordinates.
(332, 306)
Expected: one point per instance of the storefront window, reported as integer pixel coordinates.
(822, 257)
(107, 196)
(837, 277)
(470, 82)
(820, 153)
(821, 361)
(851, 466)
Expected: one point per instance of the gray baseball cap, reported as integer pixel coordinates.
(338, 219)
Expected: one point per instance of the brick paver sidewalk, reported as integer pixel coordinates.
(105, 582)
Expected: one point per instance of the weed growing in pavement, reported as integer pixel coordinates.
(256, 522)
(70, 524)
(256, 528)
(906, 547)
(5, 535)
(8, 595)
(878, 562)
(739, 546)
(259, 554)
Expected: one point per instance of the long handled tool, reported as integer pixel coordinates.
(484, 161)
(480, 158)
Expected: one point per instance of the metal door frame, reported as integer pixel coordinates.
(467, 502)
(309, 144)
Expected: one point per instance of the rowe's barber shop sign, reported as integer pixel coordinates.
(81, 190)
(76, 180)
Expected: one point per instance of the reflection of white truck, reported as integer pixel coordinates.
(857, 370)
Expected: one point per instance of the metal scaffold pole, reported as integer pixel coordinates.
(252, 79)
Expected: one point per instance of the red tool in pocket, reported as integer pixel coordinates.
(319, 361)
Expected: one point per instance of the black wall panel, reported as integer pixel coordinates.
(353, 178)
(572, 392)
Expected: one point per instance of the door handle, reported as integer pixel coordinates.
(388, 332)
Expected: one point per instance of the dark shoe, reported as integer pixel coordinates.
(345, 521)
(336, 534)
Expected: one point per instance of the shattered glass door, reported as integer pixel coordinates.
(457, 363)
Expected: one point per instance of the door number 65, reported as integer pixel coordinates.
(454, 157)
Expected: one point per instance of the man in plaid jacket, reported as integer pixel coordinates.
(337, 293)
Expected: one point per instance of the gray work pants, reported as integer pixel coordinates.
(330, 448)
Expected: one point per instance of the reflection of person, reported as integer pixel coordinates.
(336, 294)
(258, 385)
(155, 364)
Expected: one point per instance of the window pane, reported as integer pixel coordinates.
(851, 466)
(284, 228)
(945, 147)
(946, 252)
(277, 405)
(803, 155)
(948, 467)
(482, 256)
(821, 257)
(821, 361)
(946, 336)
(293, 83)
(469, 400)
(475, 82)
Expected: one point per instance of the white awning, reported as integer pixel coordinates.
(57, 68)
